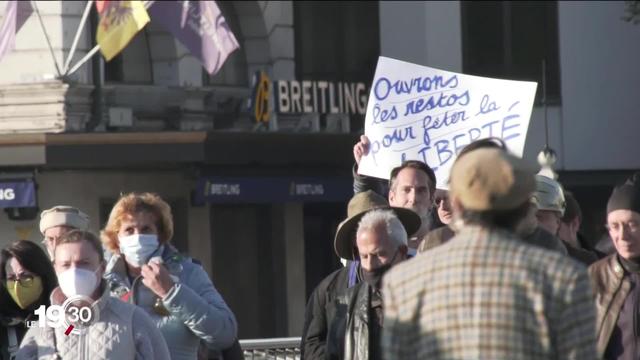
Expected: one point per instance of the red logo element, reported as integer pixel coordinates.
(68, 331)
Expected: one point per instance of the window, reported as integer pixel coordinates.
(234, 70)
(510, 40)
(133, 64)
(336, 40)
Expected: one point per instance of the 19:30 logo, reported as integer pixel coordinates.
(75, 315)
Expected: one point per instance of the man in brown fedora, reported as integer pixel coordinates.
(315, 330)
(485, 294)
(355, 316)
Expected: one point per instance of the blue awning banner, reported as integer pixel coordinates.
(216, 189)
(18, 194)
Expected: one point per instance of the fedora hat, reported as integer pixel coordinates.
(359, 205)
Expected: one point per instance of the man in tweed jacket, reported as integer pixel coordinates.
(486, 294)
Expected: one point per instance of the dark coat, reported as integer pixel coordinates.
(546, 240)
(315, 330)
(584, 256)
(19, 331)
(354, 333)
(611, 288)
(436, 237)
(362, 183)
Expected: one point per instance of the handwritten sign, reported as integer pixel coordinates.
(421, 113)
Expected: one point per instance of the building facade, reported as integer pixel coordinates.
(258, 202)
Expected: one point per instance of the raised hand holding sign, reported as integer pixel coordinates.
(421, 113)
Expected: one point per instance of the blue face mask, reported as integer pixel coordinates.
(138, 248)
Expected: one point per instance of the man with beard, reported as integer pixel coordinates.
(412, 185)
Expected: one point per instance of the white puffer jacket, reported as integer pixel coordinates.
(123, 331)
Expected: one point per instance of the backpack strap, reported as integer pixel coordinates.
(13, 342)
(353, 273)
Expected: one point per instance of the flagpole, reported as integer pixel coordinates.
(83, 60)
(77, 38)
(46, 36)
(95, 49)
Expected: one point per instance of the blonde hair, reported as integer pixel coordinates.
(131, 204)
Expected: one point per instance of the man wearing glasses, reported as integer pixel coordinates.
(616, 278)
(442, 234)
(59, 220)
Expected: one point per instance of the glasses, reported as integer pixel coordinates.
(25, 280)
(439, 200)
(632, 227)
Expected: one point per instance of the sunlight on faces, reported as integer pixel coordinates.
(139, 223)
(441, 199)
(53, 234)
(548, 220)
(410, 190)
(375, 248)
(77, 255)
(15, 270)
(624, 230)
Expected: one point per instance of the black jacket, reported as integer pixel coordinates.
(314, 332)
(5, 329)
(354, 328)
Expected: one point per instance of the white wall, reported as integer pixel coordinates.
(594, 127)
(426, 33)
(31, 60)
(85, 189)
(599, 59)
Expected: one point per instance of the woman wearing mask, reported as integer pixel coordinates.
(27, 280)
(114, 329)
(147, 271)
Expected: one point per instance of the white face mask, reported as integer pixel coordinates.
(76, 281)
(138, 248)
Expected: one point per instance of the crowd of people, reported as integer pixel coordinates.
(492, 267)
(146, 300)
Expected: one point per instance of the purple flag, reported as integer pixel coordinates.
(15, 15)
(200, 26)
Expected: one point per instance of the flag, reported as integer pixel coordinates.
(100, 5)
(200, 27)
(120, 21)
(15, 15)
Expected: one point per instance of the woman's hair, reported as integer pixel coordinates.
(32, 258)
(131, 204)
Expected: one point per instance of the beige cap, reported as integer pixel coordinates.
(63, 216)
(491, 179)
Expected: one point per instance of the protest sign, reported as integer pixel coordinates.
(420, 113)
